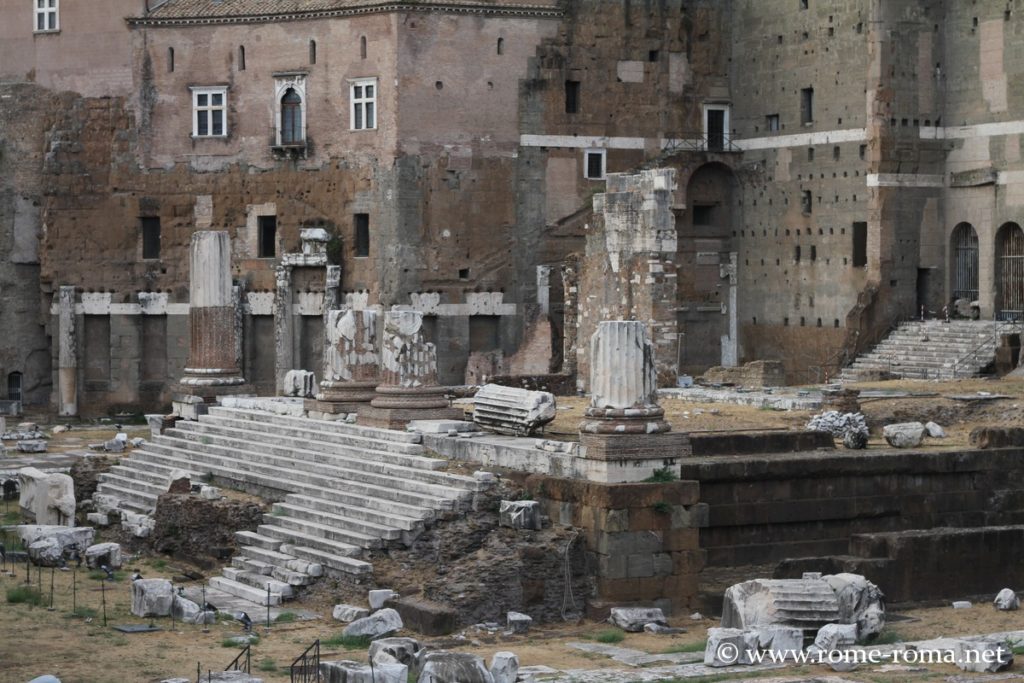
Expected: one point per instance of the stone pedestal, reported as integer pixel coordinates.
(212, 368)
(67, 355)
(351, 361)
(624, 435)
(408, 388)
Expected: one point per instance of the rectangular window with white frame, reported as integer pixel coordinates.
(595, 164)
(363, 109)
(209, 112)
(47, 14)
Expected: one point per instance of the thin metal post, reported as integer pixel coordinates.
(52, 572)
(74, 590)
(103, 597)
(268, 605)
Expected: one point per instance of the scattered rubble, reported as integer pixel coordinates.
(504, 667)
(634, 619)
(377, 598)
(934, 430)
(454, 667)
(509, 410)
(850, 427)
(108, 554)
(904, 434)
(152, 597)
(962, 604)
(520, 514)
(347, 671)
(518, 622)
(381, 623)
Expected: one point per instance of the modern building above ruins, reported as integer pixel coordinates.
(824, 170)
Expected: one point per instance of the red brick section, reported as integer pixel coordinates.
(644, 537)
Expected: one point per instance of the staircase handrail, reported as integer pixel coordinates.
(299, 671)
(998, 327)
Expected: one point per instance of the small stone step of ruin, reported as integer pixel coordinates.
(399, 517)
(135, 501)
(290, 577)
(354, 524)
(326, 531)
(250, 565)
(254, 539)
(328, 426)
(333, 564)
(245, 591)
(510, 410)
(259, 581)
(271, 557)
(297, 537)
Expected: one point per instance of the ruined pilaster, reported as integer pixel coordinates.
(624, 435)
(408, 388)
(213, 348)
(67, 360)
(730, 342)
(284, 326)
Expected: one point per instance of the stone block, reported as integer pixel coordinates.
(640, 566)
(518, 622)
(986, 655)
(381, 623)
(108, 554)
(729, 647)
(633, 619)
(347, 671)
(301, 383)
(31, 446)
(520, 514)
(377, 598)
(152, 597)
(349, 613)
(454, 667)
(424, 616)
(1006, 600)
(997, 437)
(46, 499)
(904, 434)
(514, 411)
(504, 667)
(395, 651)
(47, 544)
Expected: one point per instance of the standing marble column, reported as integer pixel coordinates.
(624, 436)
(408, 388)
(623, 381)
(67, 353)
(351, 361)
(212, 358)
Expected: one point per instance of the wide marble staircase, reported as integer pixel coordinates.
(339, 489)
(931, 350)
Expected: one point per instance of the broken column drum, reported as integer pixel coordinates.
(408, 365)
(623, 382)
(213, 335)
(351, 361)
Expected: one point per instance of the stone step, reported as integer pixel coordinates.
(251, 565)
(302, 458)
(274, 558)
(136, 501)
(157, 478)
(337, 563)
(251, 538)
(296, 537)
(405, 517)
(291, 577)
(277, 478)
(126, 481)
(305, 440)
(342, 429)
(331, 533)
(250, 455)
(383, 529)
(245, 591)
(260, 581)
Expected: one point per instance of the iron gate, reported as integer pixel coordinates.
(1010, 272)
(964, 242)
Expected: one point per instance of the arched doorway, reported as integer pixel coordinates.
(963, 266)
(1010, 272)
(14, 386)
(705, 239)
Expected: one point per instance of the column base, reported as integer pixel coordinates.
(210, 392)
(334, 407)
(398, 418)
(625, 458)
(347, 392)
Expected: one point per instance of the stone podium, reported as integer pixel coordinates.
(408, 388)
(624, 434)
(351, 361)
(212, 369)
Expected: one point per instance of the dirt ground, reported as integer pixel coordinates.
(79, 649)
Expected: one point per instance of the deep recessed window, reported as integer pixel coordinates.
(835, 153)
(572, 97)
(363, 98)
(652, 55)
(170, 59)
(863, 152)
(860, 244)
(209, 112)
(362, 47)
(796, 253)
(47, 15)
(362, 236)
(772, 123)
(463, 273)
(810, 154)
(803, 4)
(241, 57)
(806, 202)
(501, 46)
(312, 52)
(594, 161)
(267, 229)
(807, 105)
(150, 237)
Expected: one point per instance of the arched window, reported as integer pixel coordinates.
(1010, 272)
(501, 46)
(14, 386)
(362, 47)
(291, 118)
(963, 251)
(312, 52)
(241, 57)
(170, 59)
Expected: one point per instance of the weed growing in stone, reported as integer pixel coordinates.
(347, 642)
(662, 476)
(612, 635)
(24, 595)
